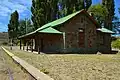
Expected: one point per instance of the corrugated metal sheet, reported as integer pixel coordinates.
(50, 30)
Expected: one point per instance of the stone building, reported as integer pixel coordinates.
(75, 33)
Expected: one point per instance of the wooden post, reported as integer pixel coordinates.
(64, 44)
(27, 46)
(23, 45)
(11, 45)
(20, 44)
(38, 44)
(32, 46)
(38, 49)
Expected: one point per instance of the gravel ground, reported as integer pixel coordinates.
(6, 63)
(74, 66)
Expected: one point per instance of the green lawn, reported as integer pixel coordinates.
(74, 66)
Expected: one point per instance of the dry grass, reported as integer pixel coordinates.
(74, 66)
(15, 70)
(3, 37)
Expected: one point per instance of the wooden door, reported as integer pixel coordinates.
(81, 39)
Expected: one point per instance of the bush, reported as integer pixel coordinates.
(116, 44)
(44, 71)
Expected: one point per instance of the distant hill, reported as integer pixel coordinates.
(3, 37)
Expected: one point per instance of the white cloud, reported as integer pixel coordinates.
(3, 14)
(7, 6)
(19, 8)
(4, 11)
(23, 2)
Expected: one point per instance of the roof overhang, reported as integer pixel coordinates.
(26, 35)
(47, 30)
(50, 30)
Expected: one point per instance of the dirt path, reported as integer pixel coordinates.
(9, 70)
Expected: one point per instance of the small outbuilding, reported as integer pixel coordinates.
(76, 33)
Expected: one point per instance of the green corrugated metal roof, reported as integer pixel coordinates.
(53, 23)
(105, 30)
(58, 21)
(50, 30)
(27, 34)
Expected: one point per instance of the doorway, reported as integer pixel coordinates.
(81, 38)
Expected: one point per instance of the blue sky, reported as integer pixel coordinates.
(9, 6)
(23, 8)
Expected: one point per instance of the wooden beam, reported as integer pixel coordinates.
(38, 49)
(20, 44)
(64, 44)
(11, 44)
(23, 45)
(27, 46)
(32, 46)
(38, 44)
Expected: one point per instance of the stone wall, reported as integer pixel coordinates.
(104, 42)
(80, 37)
(72, 28)
(50, 42)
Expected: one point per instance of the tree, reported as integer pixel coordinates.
(119, 10)
(44, 11)
(25, 27)
(87, 4)
(38, 16)
(70, 6)
(54, 9)
(74, 5)
(29, 26)
(100, 12)
(13, 25)
(109, 4)
(22, 27)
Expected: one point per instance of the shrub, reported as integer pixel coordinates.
(116, 44)
(44, 71)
